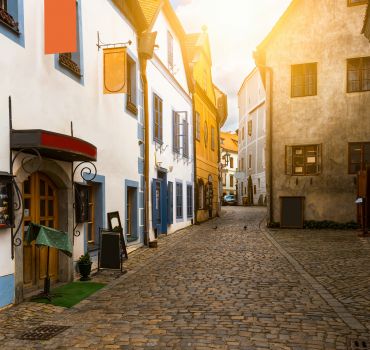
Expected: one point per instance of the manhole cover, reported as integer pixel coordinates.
(43, 332)
(358, 344)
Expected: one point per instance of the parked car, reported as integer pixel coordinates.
(229, 199)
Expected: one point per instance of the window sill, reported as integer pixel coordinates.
(131, 107)
(69, 64)
(8, 21)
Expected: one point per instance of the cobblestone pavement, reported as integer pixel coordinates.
(219, 288)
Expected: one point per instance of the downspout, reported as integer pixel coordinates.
(219, 180)
(143, 64)
(196, 201)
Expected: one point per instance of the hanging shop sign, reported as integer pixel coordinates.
(6, 200)
(82, 201)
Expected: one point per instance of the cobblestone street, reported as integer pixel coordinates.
(220, 288)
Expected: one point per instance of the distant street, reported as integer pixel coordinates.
(220, 285)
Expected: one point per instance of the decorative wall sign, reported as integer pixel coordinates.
(6, 200)
(81, 203)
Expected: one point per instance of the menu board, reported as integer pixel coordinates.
(4, 206)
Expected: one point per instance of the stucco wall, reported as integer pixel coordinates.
(326, 32)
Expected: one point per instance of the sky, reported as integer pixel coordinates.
(235, 28)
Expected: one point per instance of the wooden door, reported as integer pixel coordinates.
(40, 207)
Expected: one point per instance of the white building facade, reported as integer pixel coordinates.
(60, 98)
(171, 167)
(229, 161)
(252, 141)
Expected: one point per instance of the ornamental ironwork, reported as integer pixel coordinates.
(8, 20)
(65, 59)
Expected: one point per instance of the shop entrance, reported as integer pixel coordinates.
(40, 207)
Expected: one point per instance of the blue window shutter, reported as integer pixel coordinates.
(170, 202)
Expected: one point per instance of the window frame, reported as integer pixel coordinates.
(304, 76)
(290, 160)
(9, 22)
(176, 146)
(189, 201)
(250, 127)
(131, 102)
(201, 194)
(213, 138)
(360, 72)
(362, 156)
(205, 133)
(157, 122)
(362, 2)
(231, 162)
(179, 200)
(197, 126)
(185, 137)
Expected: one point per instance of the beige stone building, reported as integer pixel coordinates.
(315, 64)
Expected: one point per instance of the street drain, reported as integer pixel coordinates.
(358, 344)
(43, 332)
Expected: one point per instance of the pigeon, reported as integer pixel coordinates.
(215, 228)
(245, 227)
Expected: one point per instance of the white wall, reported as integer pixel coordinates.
(44, 97)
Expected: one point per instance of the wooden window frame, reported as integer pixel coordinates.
(305, 76)
(157, 119)
(361, 72)
(231, 177)
(362, 163)
(231, 162)
(185, 140)
(131, 86)
(249, 161)
(292, 157)
(350, 3)
(176, 132)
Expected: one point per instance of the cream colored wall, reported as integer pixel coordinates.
(326, 32)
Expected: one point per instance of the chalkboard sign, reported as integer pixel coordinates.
(110, 250)
(291, 212)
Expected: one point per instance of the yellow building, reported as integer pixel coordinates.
(210, 113)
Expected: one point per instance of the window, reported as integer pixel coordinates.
(197, 123)
(179, 213)
(71, 61)
(205, 133)
(200, 194)
(212, 138)
(170, 50)
(176, 132)
(231, 162)
(185, 140)
(358, 156)
(131, 85)
(303, 160)
(304, 80)
(8, 15)
(358, 74)
(231, 181)
(189, 201)
(249, 127)
(356, 2)
(254, 189)
(259, 183)
(243, 133)
(158, 118)
(250, 161)
(223, 179)
(205, 77)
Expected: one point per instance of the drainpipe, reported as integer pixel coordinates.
(143, 64)
(196, 199)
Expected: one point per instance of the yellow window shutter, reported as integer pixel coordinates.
(115, 70)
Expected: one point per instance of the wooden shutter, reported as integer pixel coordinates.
(176, 132)
(288, 160)
(170, 202)
(186, 137)
(319, 159)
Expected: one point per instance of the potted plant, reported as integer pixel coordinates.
(84, 266)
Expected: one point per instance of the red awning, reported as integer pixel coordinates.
(53, 145)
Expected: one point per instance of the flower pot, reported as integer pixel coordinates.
(84, 270)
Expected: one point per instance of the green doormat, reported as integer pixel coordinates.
(71, 293)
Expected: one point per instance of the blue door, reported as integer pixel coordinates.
(156, 206)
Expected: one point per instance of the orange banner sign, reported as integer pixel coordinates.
(115, 70)
(60, 26)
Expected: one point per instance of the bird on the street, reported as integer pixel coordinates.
(245, 227)
(215, 228)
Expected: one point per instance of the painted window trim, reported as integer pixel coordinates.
(180, 218)
(18, 17)
(190, 184)
(133, 184)
(130, 106)
(156, 139)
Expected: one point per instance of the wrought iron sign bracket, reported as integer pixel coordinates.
(87, 173)
(100, 44)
